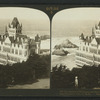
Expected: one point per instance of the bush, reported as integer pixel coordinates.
(88, 77)
(26, 72)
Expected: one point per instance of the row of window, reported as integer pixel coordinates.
(18, 31)
(7, 44)
(85, 48)
(1, 61)
(13, 59)
(85, 61)
(5, 49)
(82, 63)
(91, 50)
(9, 58)
(79, 62)
(9, 50)
(3, 56)
(25, 47)
(90, 57)
(94, 45)
(97, 32)
(95, 58)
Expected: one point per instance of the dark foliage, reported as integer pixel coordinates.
(88, 77)
(61, 77)
(37, 66)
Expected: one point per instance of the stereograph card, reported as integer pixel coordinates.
(49, 50)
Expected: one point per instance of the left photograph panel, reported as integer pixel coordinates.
(24, 48)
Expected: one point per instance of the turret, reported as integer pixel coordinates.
(37, 41)
(96, 31)
(37, 38)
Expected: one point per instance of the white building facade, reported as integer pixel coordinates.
(88, 52)
(16, 47)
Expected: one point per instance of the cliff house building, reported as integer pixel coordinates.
(88, 52)
(16, 47)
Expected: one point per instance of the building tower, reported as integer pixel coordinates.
(38, 41)
(14, 28)
(17, 25)
(81, 38)
(96, 31)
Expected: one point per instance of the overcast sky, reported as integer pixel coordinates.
(23, 13)
(31, 19)
(74, 21)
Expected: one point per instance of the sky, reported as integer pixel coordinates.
(21, 12)
(33, 20)
(74, 21)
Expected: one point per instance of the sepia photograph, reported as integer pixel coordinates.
(75, 59)
(24, 48)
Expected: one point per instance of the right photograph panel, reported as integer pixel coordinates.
(76, 49)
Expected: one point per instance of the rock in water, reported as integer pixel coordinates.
(60, 52)
(65, 44)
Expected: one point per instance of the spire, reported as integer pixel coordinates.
(15, 22)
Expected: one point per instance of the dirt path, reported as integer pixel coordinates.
(41, 84)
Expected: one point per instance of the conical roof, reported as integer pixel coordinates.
(15, 22)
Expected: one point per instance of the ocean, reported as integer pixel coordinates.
(68, 60)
